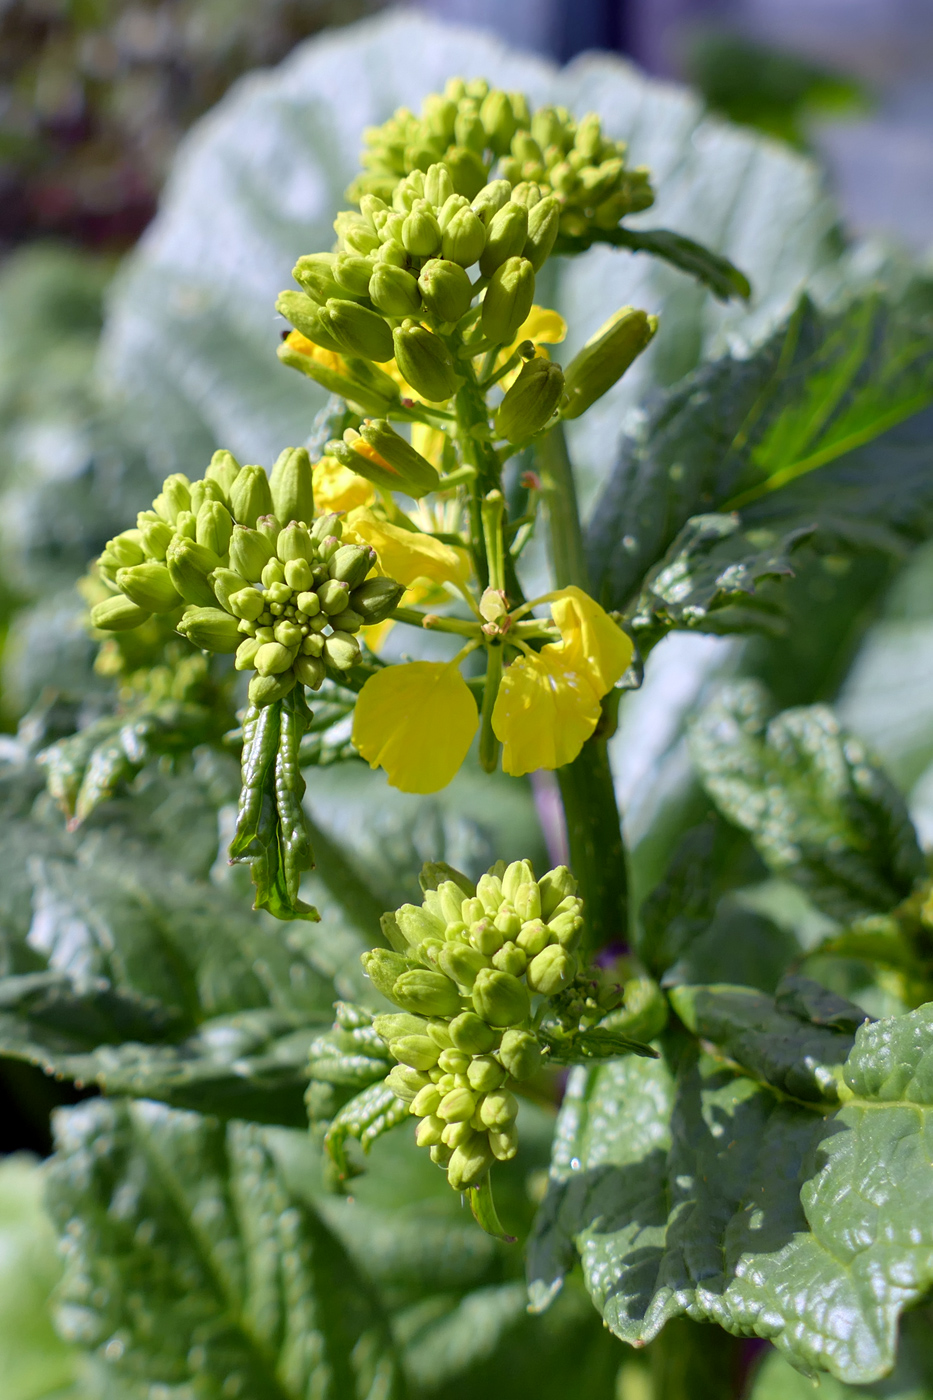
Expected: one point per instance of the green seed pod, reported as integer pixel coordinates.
(223, 469)
(505, 237)
(426, 993)
(394, 291)
(605, 357)
(308, 318)
(552, 970)
(376, 599)
(249, 552)
(315, 273)
(150, 587)
(334, 596)
(272, 659)
(211, 629)
(485, 1074)
(554, 887)
(290, 486)
(457, 1106)
(250, 497)
(508, 300)
(461, 963)
(490, 199)
(406, 1082)
(265, 690)
(534, 937)
(464, 238)
(298, 575)
(510, 958)
(310, 671)
(214, 527)
(246, 654)
(531, 400)
(189, 565)
(351, 563)
(471, 1034)
(469, 1162)
(156, 536)
(498, 1109)
(499, 998)
(352, 274)
(342, 651)
(520, 1053)
(503, 1143)
(118, 614)
(446, 289)
(356, 330)
(294, 542)
(543, 227)
(418, 1051)
(426, 1101)
(425, 362)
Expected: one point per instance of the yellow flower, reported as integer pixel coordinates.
(417, 721)
(548, 702)
(338, 488)
(430, 442)
(542, 327)
(407, 555)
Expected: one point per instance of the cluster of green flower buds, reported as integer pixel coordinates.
(471, 126)
(240, 561)
(467, 967)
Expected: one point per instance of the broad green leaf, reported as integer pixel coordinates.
(190, 1264)
(815, 806)
(701, 1191)
(911, 1379)
(707, 580)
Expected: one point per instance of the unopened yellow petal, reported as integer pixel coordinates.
(338, 488)
(328, 358)
(417, 721)
(590, 640)
(544, 712)
(407, 555)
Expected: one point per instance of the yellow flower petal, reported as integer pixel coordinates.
(328, 358)
(416, 721)
(407, 555)
(338, 488)
(542, 327)
(375, 635)
(430, 442)
(590, 641)
(544, 712)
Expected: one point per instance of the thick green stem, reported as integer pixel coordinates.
(488, 743)
(594, 832)
(477, 451)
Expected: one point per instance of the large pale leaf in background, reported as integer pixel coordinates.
(704, 1192)
(191, 333)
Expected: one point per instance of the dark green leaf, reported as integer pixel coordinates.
(723, 279)
(911, 1379)
(703, 1192)
(815, 806)
(190, 1264)
(707, 580)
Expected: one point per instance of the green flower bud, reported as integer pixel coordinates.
(440, 1034)
(250, 498)
(290, 486)
(446, 289)
(555, 886)
(342, 651)
(150, 587)
(453, 1061)
(294, 542)
(552, 970)
(418, 1051)
(503, 1143)
(189, 565)
(211, 629)
(126, 549)
(225, 583)
(489, 891)
(472, 909)
(461, 963)
(118, 614)
(438, 186)
(425, 362)
(272, 659)
(288, 634)
(498, 120)
(450, 899)
(246, 654)
(298, 575)
(510, 958)
(508, 300)
(265, 690)
(308, 318)
(421, 233)
(384, 457)
(376, 599)
(383, 967)
(397, 1023)
(498, 1109)
(426, 1101)
(534, 936)
(426, 993)
(485, 1074)
(457, 1106)
(467, 170)
(566, 929)
(499, 998)
(249, 552)
(334, 595)
(527, 900)
(307, 603)
(417, 924)
(272, 573)
(310, 671)
(490, 199)
(270, 528)
(605, 357)
(471, 1034)
(406, 1082)
(440, 1154)
(464, 238)
(325, 527)
(469, 1162)
(394, 291)
(357, 233)
(202, 492)
(351, 563)
(469, 130)
(543, 227)
(391, 252)
(156, 535)
(531, 401)
(352, 274)
(485, 937)
(519, 873)
(223, 469)
(505, 237)
(526, 193)
(176, 492)
(429, 1131)
(357, 330)
(315, 273)
(214, 527)
(520, 1053)
(347, 621)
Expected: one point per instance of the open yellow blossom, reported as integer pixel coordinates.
(407, 555)
(548, 702)
(417, 721)
(338, 488)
